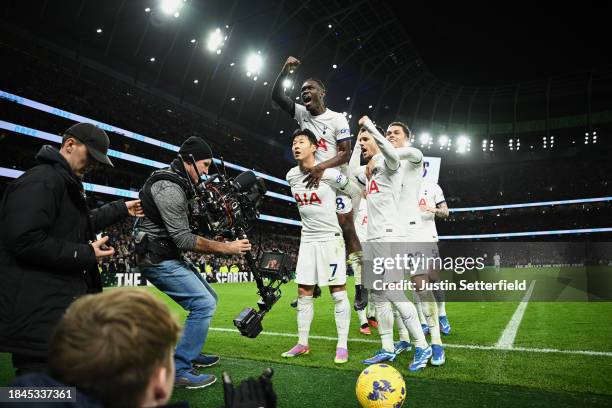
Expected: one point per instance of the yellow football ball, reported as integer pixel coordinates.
(380, 386)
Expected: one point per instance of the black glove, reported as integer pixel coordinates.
(251, 393)
(361, 297)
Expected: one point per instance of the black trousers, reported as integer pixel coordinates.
(26, 364)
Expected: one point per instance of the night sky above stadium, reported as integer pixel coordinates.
(500, 42)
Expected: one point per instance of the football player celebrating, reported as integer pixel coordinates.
(433, 205)
(384, 185)
(398, 135)
(322, 256)
(333, 151)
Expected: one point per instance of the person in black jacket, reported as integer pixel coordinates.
(48, 246)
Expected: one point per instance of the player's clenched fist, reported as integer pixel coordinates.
(292, 63)
(363, 120)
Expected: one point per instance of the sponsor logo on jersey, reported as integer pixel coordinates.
(307, 200)
(373, 187)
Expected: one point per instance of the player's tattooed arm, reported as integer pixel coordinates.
(442, 210)
(392, 160)
(315, 173)
(278, 92)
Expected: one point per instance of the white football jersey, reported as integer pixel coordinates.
(383, 193)
(409, 212)
(361, 221)
(317, 206)
(431, 196)
(329, 127)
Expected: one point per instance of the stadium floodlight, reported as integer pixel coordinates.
(267, 112)
(254, 63)
(281, 132)
(424, 138)
(266, 83)
(215, 41)
(193, 40)
(329, 26)
(148, 10)
(287, 83)
(232, 64)
(463, 141)
(443, 140)
(350, 116)
(232, 99)
(99, 31)
(152, 59)
(348, 98)
(170, 7)
(334, 66)
(195, 81)
(177, 14)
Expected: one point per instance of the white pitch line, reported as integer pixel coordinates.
(457, 346)
(506, 340)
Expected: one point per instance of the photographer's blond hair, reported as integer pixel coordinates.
(109, 344)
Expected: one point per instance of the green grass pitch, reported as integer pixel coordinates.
(562, 355)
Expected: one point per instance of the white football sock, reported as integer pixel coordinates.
(430, 310)
(401, 327)
(419, 307)
(363, 319)
(441, 308)
(342, 314)
(305, 313)
(384, 314)
(356, 259)
(410, 317)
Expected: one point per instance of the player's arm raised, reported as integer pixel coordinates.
(392, 159)
(414, 156)
(278, 92)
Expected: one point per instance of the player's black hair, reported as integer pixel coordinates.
(306, 132)
(403, 126)
(318, 81)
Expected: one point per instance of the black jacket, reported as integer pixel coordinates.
(45, 258)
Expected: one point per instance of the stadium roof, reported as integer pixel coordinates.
(386, 56)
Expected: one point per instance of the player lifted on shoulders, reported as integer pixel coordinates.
(333, 151)
(322, 256)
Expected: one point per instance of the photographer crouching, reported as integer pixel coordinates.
(161, 237)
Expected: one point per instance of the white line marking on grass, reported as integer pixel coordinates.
(457, 346)
(507, 337)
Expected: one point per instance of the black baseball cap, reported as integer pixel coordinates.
(94, 138)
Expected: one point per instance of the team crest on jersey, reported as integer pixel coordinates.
(322, 144)
(306, 199)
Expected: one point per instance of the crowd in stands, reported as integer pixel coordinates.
(465, 184)
(264, 238)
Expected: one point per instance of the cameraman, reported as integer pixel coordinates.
(48, 247)
(161, 236)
